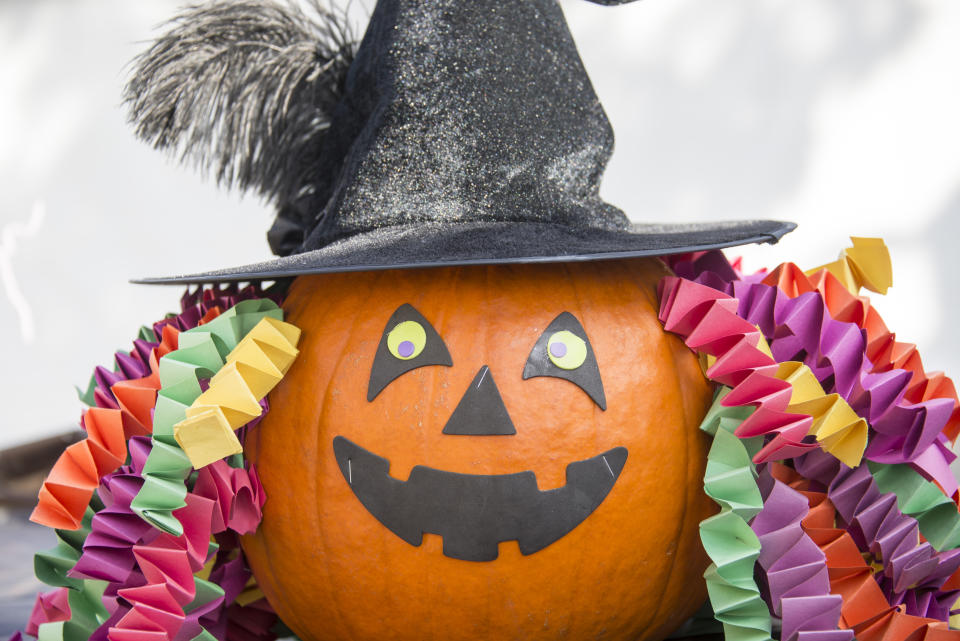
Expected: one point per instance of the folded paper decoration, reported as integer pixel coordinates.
(252, 369)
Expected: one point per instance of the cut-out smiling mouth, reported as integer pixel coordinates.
(473, 512)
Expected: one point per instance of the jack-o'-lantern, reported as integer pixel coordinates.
(501, 452)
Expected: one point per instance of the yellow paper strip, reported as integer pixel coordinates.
(866, 264)
(253, 368)
(836, 426)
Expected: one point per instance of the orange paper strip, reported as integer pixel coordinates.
(69, 486)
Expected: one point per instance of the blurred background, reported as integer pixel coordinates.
(840, 116)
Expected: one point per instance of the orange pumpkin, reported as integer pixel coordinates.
(339, 561)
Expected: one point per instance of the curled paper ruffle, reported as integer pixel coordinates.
(168, 595)
(879, 527)
(107, 550)
(123, 580)
(201, 353)
(797, 583)
(871, 269)
(83, 596)
(252, 370)
(865, 265)
(69, 486)
(936, 515)
(865, 608)
(801, 328)
(237, 495)
(168, 565)
(730, 480)
(793, 316)
(707, 321)
(835, 426)
(49, 607)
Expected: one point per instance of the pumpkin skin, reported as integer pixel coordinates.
(631, 570)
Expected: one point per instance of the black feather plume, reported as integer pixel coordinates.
(244, 90)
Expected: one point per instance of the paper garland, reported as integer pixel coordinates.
(83, 596)
(108, 548)
(797, 584)
(865, 608)
(877, 525)
(202, 352)
(252, 369)
(866, 403)
(835, 425)
(890, 372)
(936, 515)
(748, 530)
(121, 581)
(727, 538)
(802, 328)
(76, 474)
(865, 265)
(707, 321)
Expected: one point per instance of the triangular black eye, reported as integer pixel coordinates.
(564, 351)
(408, 342)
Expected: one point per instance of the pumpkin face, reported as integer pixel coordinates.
(483, 452)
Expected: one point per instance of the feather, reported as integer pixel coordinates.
(244, 90)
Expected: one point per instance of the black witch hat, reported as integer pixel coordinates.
(457, 132)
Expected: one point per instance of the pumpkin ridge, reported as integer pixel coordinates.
(575, 593)
(374, 285)
(451, 299)
(686, 475)
(321, 446)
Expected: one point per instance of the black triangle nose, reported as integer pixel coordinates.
(481, 411)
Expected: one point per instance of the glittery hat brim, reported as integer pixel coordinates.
(484, 243)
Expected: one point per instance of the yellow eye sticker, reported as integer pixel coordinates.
(566, 350)
(407, 340)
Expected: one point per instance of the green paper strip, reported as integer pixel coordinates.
(730, 480)
(201, 353)
(205, 593)
(86, 396)
(917, 497)
(51, 566)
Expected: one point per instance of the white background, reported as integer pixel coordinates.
(839, 115)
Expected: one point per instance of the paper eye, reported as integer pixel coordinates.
(564, 351)
(409, 341)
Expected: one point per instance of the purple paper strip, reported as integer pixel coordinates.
(797, 583)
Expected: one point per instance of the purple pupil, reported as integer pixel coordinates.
(558, 349)
(405, 349)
